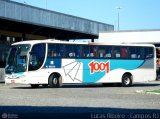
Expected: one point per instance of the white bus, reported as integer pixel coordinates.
(53, 63)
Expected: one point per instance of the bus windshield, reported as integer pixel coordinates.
(17, 59)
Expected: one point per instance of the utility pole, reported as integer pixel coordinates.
(46, 4)
(118, 9)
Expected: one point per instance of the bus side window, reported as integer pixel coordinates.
(60, 50)
(132, 51)
(148, 53)
(51, 50)
(108, 53)
(124, 52)
(69, 51)
(101, 51)
(85, 51)
(116, 52)
(136, 52)
(139, 53)
(77, 50)
(37, 56)
(93, 51)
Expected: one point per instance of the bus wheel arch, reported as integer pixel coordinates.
(55, 80)
(127, 79)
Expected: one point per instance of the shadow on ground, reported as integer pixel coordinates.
(91, 85)
(76, 112)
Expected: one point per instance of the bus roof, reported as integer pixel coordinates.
(32, 42)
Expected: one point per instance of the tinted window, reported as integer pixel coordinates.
(69, 52)
(135, 52)
(139, 53)
(148, 53)
(93, 51)
(60, 51)
(85, 51)
(104, 51)
(52, 50)
(124, 52)
(56, 50)
(132, 51)
(116, 52)
(77, 49)
(37, 56)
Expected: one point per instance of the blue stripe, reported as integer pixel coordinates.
(114, 64)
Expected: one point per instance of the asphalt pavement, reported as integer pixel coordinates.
(79, 101)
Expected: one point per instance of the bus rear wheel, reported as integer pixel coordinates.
(54, 81)
(127, 80)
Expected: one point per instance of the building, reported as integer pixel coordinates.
(136, 36)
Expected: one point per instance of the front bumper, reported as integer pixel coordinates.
(16, 79)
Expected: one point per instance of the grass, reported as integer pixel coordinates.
(153, 91)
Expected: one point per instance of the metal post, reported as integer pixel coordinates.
(118, 8)
(118, 20)
(92, 40)
(46, 4)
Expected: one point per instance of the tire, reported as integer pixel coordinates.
(34, 85)
(54, 81)
(126, 80)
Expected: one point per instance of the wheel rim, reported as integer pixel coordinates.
(54, 81)
(127, 81)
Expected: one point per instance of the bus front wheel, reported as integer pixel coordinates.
(54, 81)
(126, 80)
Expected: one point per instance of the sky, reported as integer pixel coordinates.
(133, 15)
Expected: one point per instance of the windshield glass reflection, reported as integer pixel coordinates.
(17, 59)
